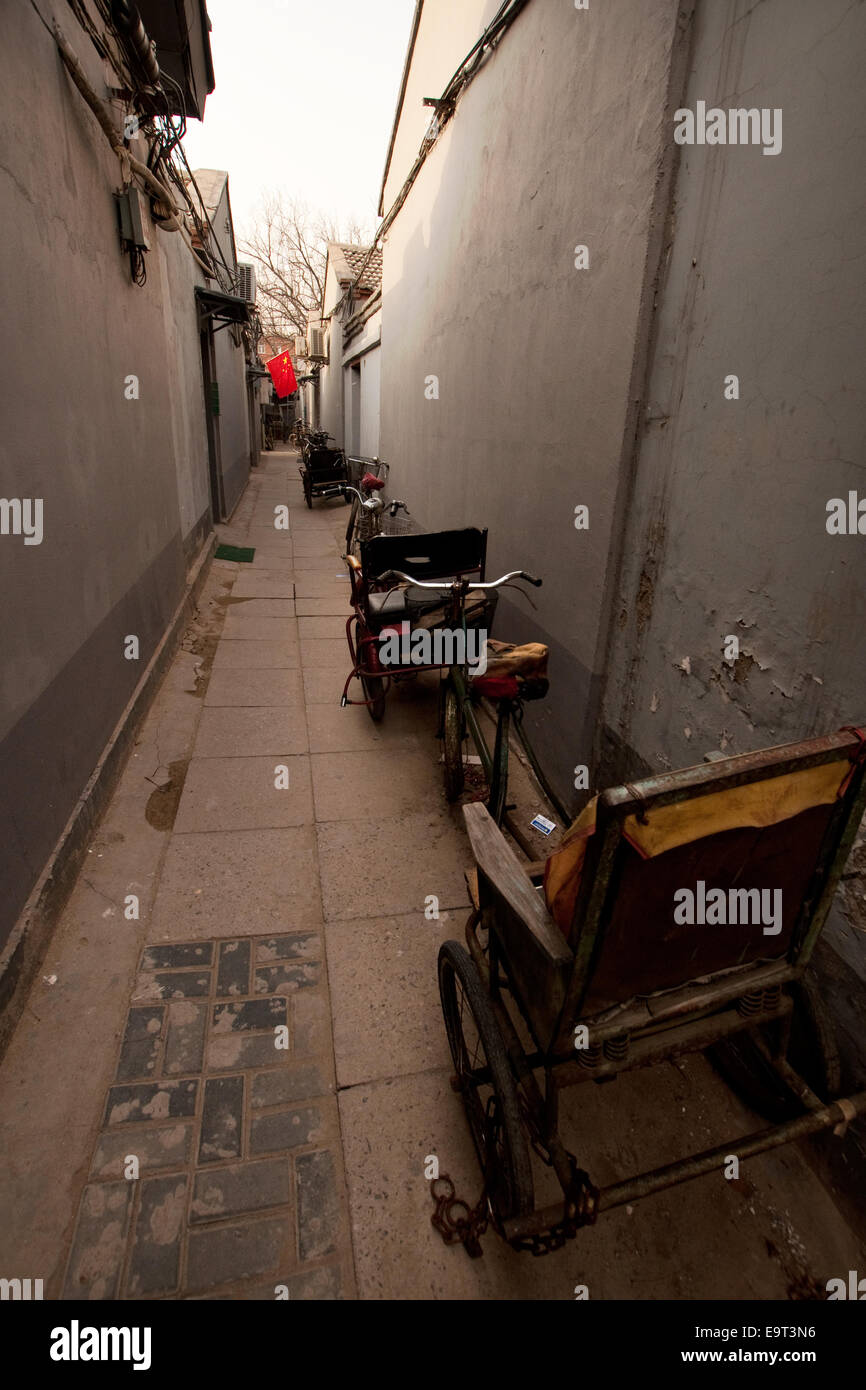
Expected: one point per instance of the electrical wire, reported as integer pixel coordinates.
(229, 273)
(99, 40)
(129, 162)
(139, 267)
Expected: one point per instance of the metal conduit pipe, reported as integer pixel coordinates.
(128, 21)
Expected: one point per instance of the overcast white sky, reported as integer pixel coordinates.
(305, 96)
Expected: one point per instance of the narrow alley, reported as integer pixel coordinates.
(432, 729)
(299, 1171)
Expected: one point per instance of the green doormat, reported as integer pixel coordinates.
(242, 553)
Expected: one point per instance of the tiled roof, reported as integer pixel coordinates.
(352, 258)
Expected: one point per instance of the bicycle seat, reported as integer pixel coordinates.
(370, 483)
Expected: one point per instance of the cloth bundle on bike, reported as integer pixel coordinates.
(528, 661)
(513, 672)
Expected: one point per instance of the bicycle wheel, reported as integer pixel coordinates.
(452, 743)
(486, 1084)
(373, 686)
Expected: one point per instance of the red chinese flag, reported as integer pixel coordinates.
(282, 374)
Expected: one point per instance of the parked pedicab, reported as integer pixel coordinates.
(679, 914)
(433, 583)
(323, 468)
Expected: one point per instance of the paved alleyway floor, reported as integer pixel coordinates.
(236, 1094)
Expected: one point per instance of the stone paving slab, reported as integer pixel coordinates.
(316, 584)
(334, 605)
(251, 731)
(272, 559)
(242, 793)
(263, 653)
(259, 629)
(264, 584)
(389, 867)
(268, 536)
(251, 607)
(265, 515)
(330, 653)
(247, 1185)
(252, 881)
(322, 543)
(316, 629)
(322, 564)
(323, 685)
(351, 730)
(268, 686)
(348, 786)
(396, 958)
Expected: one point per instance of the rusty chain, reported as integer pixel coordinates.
(581, 1201)
(459, 1230)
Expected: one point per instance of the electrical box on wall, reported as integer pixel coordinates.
(132, 219)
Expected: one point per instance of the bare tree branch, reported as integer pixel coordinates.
(289, 246)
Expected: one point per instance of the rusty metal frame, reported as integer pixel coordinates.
(836, 1115)
(689, 1019)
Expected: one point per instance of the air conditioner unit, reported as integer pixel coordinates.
(300, 346)
(246, 282)
(317, 351)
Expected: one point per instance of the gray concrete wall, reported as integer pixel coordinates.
(236, 451)
(124, 482)
(726, 527)
(331, 404)
(726, 524)
(558, 142)
(186, 399)
(362, 349)
(234, 415)
(371, 371)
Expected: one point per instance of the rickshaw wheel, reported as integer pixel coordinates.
(812, 1052)
(373, 686)
(491, 1103)
(308, 493)
(452, 744)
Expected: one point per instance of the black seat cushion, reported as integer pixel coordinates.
(407, 601)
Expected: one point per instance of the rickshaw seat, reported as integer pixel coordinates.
(426, 556)
(402, 602)
(782, 819)
(323, 460)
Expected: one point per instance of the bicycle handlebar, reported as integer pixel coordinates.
(449, 584)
